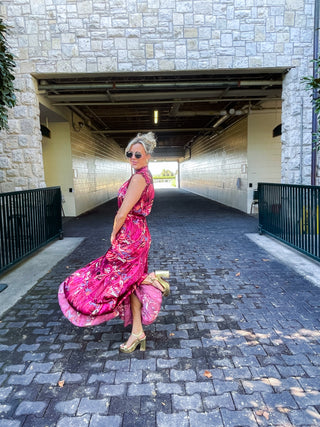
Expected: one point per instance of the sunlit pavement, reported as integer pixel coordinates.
(236, 343)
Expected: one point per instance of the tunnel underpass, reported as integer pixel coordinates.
(214, 123)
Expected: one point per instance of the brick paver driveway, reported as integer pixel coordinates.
(236, 344)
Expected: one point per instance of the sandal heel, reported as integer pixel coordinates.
(142, 342)
(166, 286)
(143, 345)
(162, 273)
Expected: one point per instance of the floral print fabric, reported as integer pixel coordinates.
(101, 290)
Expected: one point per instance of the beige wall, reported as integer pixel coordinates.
(264, 151)
(91, 165)
(222, 168)
(99, 169)
(217, 165)
(57, 161)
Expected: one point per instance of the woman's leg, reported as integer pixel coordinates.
(137, 327)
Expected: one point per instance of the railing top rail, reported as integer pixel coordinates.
(289, 185)
(35, 190)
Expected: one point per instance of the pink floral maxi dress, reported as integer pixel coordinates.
(101, 290)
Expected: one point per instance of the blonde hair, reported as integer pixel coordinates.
(147, 140)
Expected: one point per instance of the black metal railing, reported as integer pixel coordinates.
(291, 214)
(28, 220)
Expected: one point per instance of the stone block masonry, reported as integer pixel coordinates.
(21, 163)
(159, 35)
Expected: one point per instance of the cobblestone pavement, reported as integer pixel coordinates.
(236, 343)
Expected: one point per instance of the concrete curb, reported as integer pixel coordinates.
(306, 267)
(23, 277)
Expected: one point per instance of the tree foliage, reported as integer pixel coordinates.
(313, 84)
(7, 65)
(166, 172)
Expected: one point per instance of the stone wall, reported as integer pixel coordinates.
(297, 128)
(152, 35)
(21, 163)
(92, 36)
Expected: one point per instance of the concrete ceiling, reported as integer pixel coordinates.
(189, 103)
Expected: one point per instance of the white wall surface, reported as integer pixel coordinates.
(217, 165)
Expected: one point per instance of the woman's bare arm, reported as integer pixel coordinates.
(134, 191)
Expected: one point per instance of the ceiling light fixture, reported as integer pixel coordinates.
(155, 116)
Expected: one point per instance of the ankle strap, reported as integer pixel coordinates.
(137, 335)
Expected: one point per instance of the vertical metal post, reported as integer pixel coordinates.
(315, 93)
(28, 220)
(291, 213)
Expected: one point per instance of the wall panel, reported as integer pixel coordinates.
(57, 160)
(99, 169)
(264, 151)
(217, 168)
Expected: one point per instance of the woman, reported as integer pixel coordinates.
(118, 283)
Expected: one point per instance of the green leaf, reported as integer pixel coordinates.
(7, 65)
(313, 84)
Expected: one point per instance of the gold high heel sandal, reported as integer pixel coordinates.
(159, 277)
(124, 349)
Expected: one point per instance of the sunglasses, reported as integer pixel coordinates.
(137, 155)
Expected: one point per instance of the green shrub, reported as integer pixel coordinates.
(313, 84)
(163, 177)
(7, 64)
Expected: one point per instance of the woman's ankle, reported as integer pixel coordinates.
(137, 333)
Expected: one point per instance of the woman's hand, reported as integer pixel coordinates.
(113, 237)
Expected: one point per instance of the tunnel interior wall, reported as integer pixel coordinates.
(227, 168)
(88, 167)
(99, 169)
(217, 167)
(57, 162)
(264, 149)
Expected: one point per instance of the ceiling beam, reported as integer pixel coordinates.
(171, 85)
(124, 131)
(171, 101)
(155, 96)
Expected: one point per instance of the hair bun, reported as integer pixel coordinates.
(148, 140)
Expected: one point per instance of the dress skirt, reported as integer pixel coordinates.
(101, 290)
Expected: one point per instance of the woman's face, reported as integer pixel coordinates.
(138, 163)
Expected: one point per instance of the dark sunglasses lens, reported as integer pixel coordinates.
(137, 155)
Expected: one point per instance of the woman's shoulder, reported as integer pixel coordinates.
(146, 174)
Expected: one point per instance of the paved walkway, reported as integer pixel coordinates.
(236, 343)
